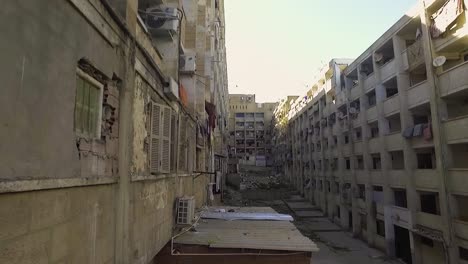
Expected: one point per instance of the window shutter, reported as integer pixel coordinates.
(166, 140)
(155, 148)
(182, 143)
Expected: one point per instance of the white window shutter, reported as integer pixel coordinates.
(166, 140)
(182, 143)
(155, 145)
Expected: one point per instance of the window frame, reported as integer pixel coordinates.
(100, 87)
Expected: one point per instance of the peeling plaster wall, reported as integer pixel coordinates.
(140, 131)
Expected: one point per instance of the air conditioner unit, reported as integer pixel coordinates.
(187, 63)
(185, 210)
(171, 89)
(161, 21)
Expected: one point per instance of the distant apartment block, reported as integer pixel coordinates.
(382, 145)
(250, 129)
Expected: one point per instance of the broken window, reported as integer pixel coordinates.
(380, 226)
(427, 241)
(400, 198)
(430, 203)
(425, 160)
(88, 105)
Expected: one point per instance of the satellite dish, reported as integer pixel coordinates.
(439, 61)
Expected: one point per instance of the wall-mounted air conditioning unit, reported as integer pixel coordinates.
(187, 63)
(161, 21)
(185, 210)
(171, 89)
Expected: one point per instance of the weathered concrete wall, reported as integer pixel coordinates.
(75, 225)
(40, 56)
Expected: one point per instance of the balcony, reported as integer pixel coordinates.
(388, 70)
(426, 179)
(369, 82)
(374, 145)
(397, 178)
(394, 141)
(372, 113)
(454, 79)
(413, 56)
(377, 177)
(327, 86)
(455, 130)
(355, 93)
(429, 220)
(453, 39)
(391, 105)
(418, 94)
(399, 216)
(458, 181)
(461, 229)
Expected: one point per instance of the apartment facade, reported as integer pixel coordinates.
(105, 118)
(384, 153)
(250, 129)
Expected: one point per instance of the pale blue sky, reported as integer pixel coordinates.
(275, 47)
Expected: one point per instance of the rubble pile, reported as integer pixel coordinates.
(252, 181)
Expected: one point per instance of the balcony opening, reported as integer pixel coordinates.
(380, 227)
(331, 119)
(457, 104)
(362, 191)
(337, 211)
(328, 186)
(250, 143)
(461, 203)
(348, 163)
(459, 154)
(346, 138)
(391, 87)
(394, 123)
(374, 129)
(359, 162)
(358, 134)
(240, 115)
(371, 98)
(367, 67)
(430, 202)
(418, 75)
(337, 187)
(376, 161)
(398, 161)
(426, 158)
(377, 194)
(399, 196)
(335, 140)
(385, 53)
(352, 79)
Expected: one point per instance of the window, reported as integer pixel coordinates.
(380, 227)
(400, 198)
(430, 203)
(358, 133)
(348, 163)
(160, 144)
(359, 162)
(346, 139)
(463, 252)
(173, 141)
(427, 241)
(88, 106)
(362, 191)
(425, 161)
(376, 164)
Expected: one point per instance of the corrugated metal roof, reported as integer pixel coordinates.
(248, 234)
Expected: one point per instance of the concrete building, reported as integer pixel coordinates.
(384, 153)
(104, 121)
(279, 126)
(250, 129)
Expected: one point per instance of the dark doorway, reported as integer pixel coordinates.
(350, 220)
(402, 244)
